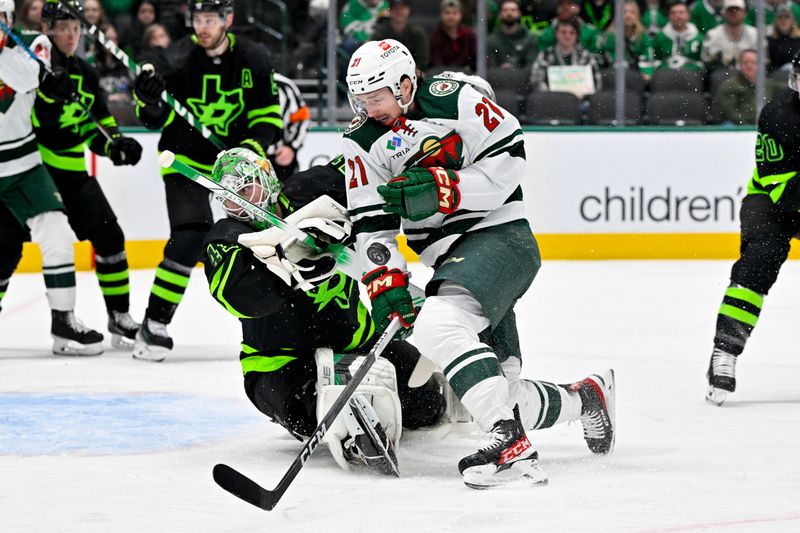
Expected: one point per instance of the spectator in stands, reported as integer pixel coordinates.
(537, 15)
(723, 44)
(598, 13)
(737, 95)
(654, 17)
(771, 11)
(94, 13)
(115, 78)
(179, 25)
(410, 34)
(568, 10)
(155, 42)
(118, 12)
(452, 43)
(679, 44)
(357, 22)
(510, 45)
(145, 13)
(638, 47)
(707, 14)
(783, 42)
(30, 15)
(565, 52)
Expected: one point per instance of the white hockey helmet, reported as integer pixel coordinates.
(8, 8)
(379, 64)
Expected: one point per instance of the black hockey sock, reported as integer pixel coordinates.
(168, 289)
(112, 273)
(737, 317)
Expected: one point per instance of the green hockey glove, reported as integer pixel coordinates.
(388, 291)
(419, 193)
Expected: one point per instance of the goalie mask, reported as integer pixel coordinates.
(379, 64)
(249, 175)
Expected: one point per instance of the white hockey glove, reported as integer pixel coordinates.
(379, 388)
(297, 264)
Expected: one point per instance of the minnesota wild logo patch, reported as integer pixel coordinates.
(447, 152)
(443, 87)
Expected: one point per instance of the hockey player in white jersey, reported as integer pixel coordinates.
(29, 200)
(445, 163)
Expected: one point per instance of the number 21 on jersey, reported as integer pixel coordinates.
(487, 109)
(357, 172)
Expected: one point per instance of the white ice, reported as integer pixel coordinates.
(680, 464)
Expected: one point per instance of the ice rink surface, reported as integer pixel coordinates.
(109, 444)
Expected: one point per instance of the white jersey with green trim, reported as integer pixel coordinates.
(451, 126)
(19, 78)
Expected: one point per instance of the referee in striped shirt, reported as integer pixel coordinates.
(296, 119)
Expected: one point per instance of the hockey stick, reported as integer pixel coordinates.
(73, 96)
(345, 256)
(112, 48)
(248, 490)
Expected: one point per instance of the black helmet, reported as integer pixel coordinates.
(53, 11)
(222, 7)
(793, 81)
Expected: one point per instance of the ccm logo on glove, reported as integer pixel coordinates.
(419, 193)
(448, 197)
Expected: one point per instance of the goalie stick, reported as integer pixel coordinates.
(114, 50)
(248, 490)
(345, 256)
(74, 97)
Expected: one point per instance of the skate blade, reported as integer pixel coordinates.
(62, 346)
(716, 396)
(519, 475)
(120, 342)
(150, 353)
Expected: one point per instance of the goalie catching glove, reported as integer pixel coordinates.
(419, 193)
(294, 262)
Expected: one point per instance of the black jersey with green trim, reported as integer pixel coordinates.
(233, 94)
(277, 321)
(63, 126)
(778, 151)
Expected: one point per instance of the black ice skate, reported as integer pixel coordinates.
(71, 337)
(508, 459)
(123, 330)
(597, 410)
(152, 341)
(721, 376)
(368, 442)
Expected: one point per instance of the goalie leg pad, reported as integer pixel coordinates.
(379, 387)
